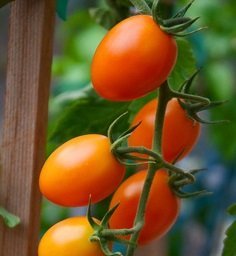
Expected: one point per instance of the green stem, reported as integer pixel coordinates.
(164, 97)
(159, 121)
(120, 232)
(139, 219)
(141, 150)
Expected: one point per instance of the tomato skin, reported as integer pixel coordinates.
(162, 207)
(180, 133)
(69, 237)
(134, 58)
(82, 166)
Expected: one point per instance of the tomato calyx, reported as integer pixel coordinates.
(193, 104)
(177, 182)
(126, 157)
(178, 177)
(104, 235)
(176, 25)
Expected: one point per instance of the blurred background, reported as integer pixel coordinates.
(75, 109)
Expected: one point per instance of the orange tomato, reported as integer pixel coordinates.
(69, 237)
(81, 167)
(180, 132)
(134, 58)
(161, 211)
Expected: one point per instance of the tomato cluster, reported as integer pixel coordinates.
(133, 59)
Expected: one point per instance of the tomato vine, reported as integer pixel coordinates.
(123, 70)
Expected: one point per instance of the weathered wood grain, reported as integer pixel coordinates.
(23, 137)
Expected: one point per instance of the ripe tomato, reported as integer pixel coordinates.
(162, 207)
(80, 167)
(69, 237)
(180, 133)
(134, 58)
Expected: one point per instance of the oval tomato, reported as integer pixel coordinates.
(134, 58)
(162, 206)
(81, 167)
(69, 237)
(180, 133)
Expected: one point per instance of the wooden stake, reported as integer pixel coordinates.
(23, 138)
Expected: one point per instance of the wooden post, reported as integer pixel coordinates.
(23, 138)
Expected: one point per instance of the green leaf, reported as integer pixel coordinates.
(185, 65)
(232, 209)
(229, 242)
(61, 7)
(9, 219)
(87, 113)
(103, 16)
(4, 2)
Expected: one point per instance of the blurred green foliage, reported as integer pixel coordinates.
(61, 6)
(229, 241)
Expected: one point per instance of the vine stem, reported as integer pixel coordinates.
(164, 97)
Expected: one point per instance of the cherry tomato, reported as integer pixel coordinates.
(82, 166)
(180, 132)
(162, 207)
(69, 237)
(134, 58)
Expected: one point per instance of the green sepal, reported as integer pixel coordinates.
(214, 104)
(182, 194)
(177, 24)
(193, 104)
(141, 6)
(136, 158)
(9, 219)
(90, 219)
(188, 33)
(195, 171)
(178, 156)
(130, 130)
(178, 181)
(174, 22)
(183, 10)
(108, 215)
(185, 87)
(178, 28)
(156, 13)
(110, 131)
(202, 121)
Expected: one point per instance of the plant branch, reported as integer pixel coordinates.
(156, 147)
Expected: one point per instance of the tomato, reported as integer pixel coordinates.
(69, 237)
(82, 166)
(180, 132)
(134, 58)
(162, 206)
